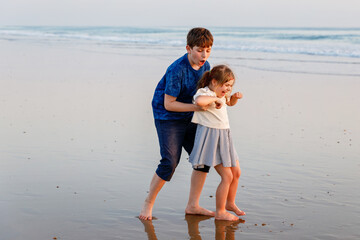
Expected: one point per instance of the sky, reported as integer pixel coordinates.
(243, 13)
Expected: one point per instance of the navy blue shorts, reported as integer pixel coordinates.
(173, 136)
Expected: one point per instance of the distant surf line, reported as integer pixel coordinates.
(299, 72)
(292, 60)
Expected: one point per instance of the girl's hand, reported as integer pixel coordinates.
(202, 108)
(218, 104)
(237, 95)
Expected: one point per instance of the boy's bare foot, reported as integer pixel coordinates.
(146, 211)
(232, 207)
(226, 216)
(199, 211)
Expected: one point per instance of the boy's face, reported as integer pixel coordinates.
(197, 56)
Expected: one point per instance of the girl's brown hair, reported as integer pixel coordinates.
(221, 73)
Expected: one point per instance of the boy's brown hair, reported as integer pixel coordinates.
(200, 37)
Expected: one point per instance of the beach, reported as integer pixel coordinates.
(78, 145)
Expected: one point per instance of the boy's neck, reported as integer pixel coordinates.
(193, 65)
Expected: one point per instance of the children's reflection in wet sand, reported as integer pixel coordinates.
(224, 230)
(149, 229)
(193, 225)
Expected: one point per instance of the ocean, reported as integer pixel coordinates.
(334, 42)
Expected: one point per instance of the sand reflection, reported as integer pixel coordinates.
(149, 229)
(224, 230)
(193, 225)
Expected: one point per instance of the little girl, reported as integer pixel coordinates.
(213, 143)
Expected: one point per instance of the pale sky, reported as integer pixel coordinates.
(260, 13)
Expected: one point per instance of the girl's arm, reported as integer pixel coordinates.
(171, 104)
(205, 101)
(234, 98)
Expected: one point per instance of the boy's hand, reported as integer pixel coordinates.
(237, 95)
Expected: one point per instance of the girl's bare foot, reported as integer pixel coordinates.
(146, 212)
(225, 216)
(232, 207)
(199, 211)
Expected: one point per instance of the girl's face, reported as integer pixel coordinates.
(222, 90)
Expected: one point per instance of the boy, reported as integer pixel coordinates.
(173, 110)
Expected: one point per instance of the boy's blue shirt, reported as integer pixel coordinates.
(180, 81)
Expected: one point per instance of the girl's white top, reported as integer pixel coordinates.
(213, 117)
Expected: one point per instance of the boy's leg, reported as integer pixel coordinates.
(230, 202)
(197, 178)
(171, 135)
(155, 186)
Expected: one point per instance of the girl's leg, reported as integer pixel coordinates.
(197, 182)
(230, 202)
(197, 178)
(222, 194)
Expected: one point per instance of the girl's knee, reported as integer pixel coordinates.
(227, 178)
(236, 172)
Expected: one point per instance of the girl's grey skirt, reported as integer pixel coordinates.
(213, 146)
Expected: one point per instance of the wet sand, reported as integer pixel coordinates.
(78, 147)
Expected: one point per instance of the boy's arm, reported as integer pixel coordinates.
(171, 104)
(234, 98)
